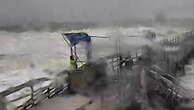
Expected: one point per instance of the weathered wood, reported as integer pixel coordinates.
(19, 98)
(30, 83)
(2, 103)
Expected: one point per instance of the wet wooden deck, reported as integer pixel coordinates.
(71, 102)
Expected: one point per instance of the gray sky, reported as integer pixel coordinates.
(26, 11)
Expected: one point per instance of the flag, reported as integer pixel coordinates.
(75, 38)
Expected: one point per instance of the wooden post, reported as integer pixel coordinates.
(75, 53)
(2, 103)
(71, 50)
(102, 102)
(32, 94)
(48, 92)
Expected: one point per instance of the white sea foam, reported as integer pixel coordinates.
(31, 55)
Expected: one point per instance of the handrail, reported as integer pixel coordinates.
(30, 83)
(34, 96)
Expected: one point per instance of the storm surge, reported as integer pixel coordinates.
(29, 54)
(50, 26)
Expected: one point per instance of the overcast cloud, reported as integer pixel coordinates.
(29, 11)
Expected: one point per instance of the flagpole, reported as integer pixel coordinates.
(100, 36)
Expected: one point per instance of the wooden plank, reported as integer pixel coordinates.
(19, 87)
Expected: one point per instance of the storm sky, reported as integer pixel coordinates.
(29, 11)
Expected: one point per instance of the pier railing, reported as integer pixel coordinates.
(34, 97)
